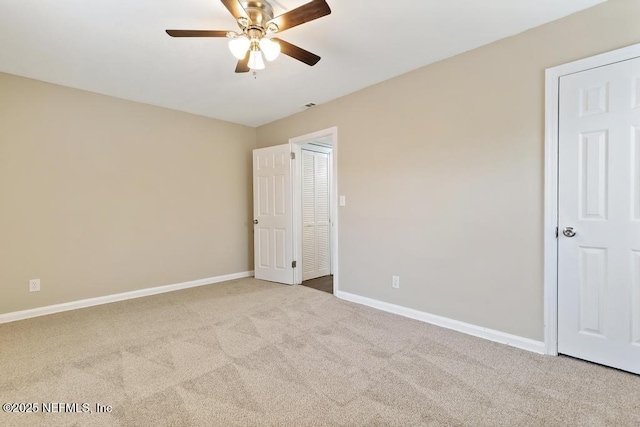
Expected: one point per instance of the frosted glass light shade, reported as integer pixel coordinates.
(270, 49)
(239, 47)
(255, 60)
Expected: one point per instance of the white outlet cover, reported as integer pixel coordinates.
(34, 285)
(395, 282)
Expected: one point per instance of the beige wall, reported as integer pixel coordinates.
(100, 196)
(443, 173)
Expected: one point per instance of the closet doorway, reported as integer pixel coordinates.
(314, 210)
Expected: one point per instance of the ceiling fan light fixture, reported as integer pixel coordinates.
(239, 46)
(255, 60)
(270, 49)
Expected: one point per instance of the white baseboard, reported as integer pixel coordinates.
(74, 305)
(467, 328)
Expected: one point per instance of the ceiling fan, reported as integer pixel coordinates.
(255, 19)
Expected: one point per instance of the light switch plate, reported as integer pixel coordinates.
(343, 200)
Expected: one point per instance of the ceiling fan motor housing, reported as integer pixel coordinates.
(260, 12)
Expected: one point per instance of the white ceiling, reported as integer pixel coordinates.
(119, 48)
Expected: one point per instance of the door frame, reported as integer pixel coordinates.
(296, 147)
(551, 202)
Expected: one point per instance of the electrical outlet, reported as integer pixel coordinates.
(34, 285)
(395, 282)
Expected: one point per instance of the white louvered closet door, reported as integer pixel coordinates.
(316, 222)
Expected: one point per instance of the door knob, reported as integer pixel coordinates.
(568, 231)
(255, 221)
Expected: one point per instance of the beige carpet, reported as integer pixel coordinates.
(254, 353)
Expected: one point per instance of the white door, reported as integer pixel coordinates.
(272, 238)
(316, 223)
(599, 201)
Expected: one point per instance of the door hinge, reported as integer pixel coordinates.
(294, 264)
(293, 155)
(557, 232)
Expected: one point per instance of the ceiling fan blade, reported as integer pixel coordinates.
(297, 52)
(235, 8)
(197, 33)
(243, 65)
(305, 13)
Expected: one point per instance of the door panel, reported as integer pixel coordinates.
(264, 244)
(635, 166)
(635, 300)
(309, 266)
(593, 282)
(323, 215)
(324, 249)
(599, 197)
(593, 175)
(273, 240)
